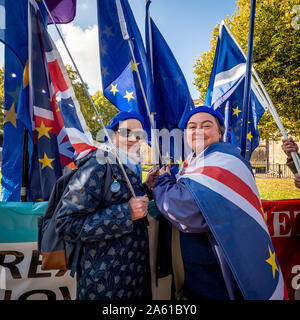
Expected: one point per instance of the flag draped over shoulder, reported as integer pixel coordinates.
(118, 70)
(224, 188)
(225, 91)
(167, 90)
(39, 103)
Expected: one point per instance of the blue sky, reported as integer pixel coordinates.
(186, 25)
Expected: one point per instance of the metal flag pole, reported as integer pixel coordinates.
(247, 87)
(126, 36)
(264, 92)
(92, 102)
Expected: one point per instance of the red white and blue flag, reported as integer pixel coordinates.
(60, 133)
(224, 188)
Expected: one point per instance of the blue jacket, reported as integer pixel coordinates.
(114, 261)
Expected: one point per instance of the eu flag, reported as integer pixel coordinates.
(225, 91)
(13, 33)
(168, 91)
(118, 70)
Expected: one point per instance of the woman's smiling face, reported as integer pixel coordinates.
(202, 131)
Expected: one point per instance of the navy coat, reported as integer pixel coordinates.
(114, 261)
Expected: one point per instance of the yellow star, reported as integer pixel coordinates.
(129, 95)
(114, 89)
(46, 161)
(179, 162)
(167, 159)
(272, 261)
(26, 75)
(134, 66)
(249, 136)
(43, 130)
(11, 116)
(236, 111)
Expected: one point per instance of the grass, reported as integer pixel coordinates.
(277, 189)
(271, 189)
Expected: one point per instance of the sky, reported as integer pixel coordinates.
(186, 25)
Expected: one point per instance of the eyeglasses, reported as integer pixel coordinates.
(126, 133)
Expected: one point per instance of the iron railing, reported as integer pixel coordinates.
(273, 170)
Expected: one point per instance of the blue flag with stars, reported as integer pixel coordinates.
(225, 91)
(13, 33)
(167, 91)
(118, 70)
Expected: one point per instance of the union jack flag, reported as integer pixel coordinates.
(60, 133)
(224, 188)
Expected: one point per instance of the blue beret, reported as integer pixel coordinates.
(122, 116)
(206, 109)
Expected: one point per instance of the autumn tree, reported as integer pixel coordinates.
(275, 58)
(104, 107)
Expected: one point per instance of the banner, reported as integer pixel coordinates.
(21, 277)
(283, 220)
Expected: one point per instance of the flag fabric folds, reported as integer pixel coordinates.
(39, 104)
(225, 91)
(167, 90)
(59, 130)
(224, 188)
(62, 11)
(13, 33)
(118, 70)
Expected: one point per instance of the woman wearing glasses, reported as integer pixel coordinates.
(98, 210)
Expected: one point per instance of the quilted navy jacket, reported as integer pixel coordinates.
(114, 259)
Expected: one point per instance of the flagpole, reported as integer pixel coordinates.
(126, 36)
(92, 102)
(271, 106)
(247, 87)
(25, 168)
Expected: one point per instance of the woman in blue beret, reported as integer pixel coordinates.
(216, 241)
(98, 211)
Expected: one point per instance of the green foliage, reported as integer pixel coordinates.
(275, 57)
(104, 107)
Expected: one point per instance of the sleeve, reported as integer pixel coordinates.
(176, 203)
(148, 191)
(79, 215)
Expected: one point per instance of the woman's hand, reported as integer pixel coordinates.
(288, 146)
(138, 207)
(153, 174)
(164, 169)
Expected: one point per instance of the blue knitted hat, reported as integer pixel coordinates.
(122, 116)
(206, 109)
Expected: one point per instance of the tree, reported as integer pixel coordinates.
(104, 107)
(275, 58)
